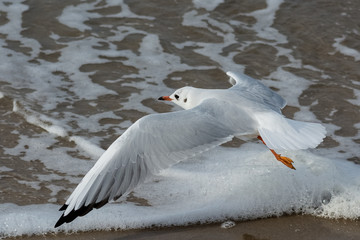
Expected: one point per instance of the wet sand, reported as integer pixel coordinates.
(286, 227)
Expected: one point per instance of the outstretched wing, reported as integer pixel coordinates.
(152, 143)
(255, 90)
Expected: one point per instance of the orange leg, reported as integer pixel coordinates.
(286, 161)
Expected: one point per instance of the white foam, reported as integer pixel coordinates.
(14, 11)
(344, 49)
(236, 184)
(125, 10)
(40, 120)
(211, 50)
(192, 18)
(75, 16)
(32, 184)
(5, 169)
(265, 19)
(154, 65)
(356, 100)
(228, 224)
(285, 82)
(209, 5)
(52, 158)
(87, 146)
(37, 148)
(12, 29)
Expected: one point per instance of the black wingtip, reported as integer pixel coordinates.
(63, 208)
(59, 222)
(78, 213)
(72, 215)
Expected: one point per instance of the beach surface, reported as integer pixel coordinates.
(281, 228)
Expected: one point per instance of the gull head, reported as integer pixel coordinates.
(185, 97)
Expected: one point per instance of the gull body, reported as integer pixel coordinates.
(210, 117)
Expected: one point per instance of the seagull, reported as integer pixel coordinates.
(210, 118)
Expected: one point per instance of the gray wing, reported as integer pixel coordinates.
(254, 89)
(152, 143)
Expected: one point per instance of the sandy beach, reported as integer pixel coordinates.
(281, 228)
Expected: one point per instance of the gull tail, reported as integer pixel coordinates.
(281, 133)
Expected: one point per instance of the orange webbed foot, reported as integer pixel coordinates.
(285, 160)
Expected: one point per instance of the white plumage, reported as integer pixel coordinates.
(211, 117)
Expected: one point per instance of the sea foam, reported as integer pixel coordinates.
(223, 184)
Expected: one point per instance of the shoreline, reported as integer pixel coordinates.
(285, 227)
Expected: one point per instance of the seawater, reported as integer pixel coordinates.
(74, 75)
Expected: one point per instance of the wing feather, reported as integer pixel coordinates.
(151, 144)
(255, 90)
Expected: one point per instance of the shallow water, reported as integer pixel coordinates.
(75, 74)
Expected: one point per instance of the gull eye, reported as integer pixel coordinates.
(177, 97)
(185, 100)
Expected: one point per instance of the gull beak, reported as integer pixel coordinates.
(165, 98)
